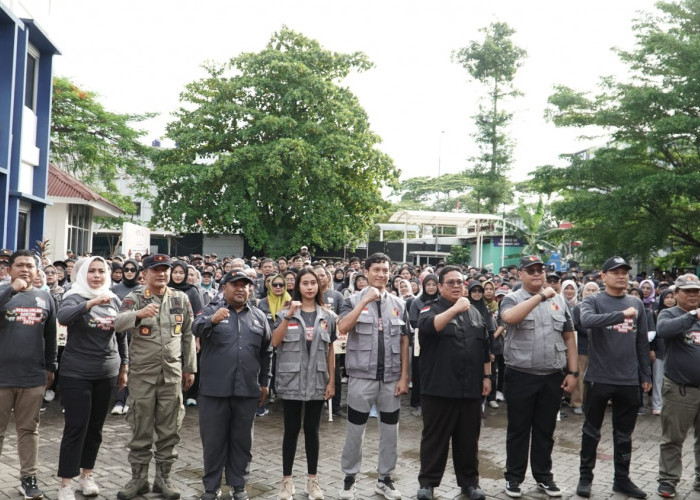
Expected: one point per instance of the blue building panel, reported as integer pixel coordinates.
(16, 38)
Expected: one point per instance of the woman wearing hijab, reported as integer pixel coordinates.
(129, 283)
(339, 282)
(476, 299)
(117, 273)
(406, 293)
(657, 351)
(569, 292)
(95, 357)
(179, 281)
(429, 293)
(582, 347)
(648, 290)
(277, 298)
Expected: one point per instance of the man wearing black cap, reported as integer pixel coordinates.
(236, 361)
(618, 358)
(554, 281)
(162, 362)
(679, 326)
(539, 344)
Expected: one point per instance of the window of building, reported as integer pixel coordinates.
(22, 230)
(79, 219)
(32, 77)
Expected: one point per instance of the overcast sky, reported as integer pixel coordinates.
(139, 54)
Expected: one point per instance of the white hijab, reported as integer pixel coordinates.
(80, 285)
(573, 301)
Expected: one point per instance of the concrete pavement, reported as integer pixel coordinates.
(112, 469)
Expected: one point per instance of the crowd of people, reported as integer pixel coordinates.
(156, 333)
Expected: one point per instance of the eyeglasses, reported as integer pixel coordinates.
(454, 282)
(279, 285)
(534, 270)
(129, 270)
(477, 291)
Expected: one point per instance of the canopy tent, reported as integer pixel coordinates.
(465, 224)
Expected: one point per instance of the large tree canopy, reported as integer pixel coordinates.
(272, 145)
(641, 192)
(95, 145)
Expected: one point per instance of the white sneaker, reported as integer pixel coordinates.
(66, 493)
(500, 397)
(88, 485)
(287, 490)
(125, 410)
(493, 404)
(386, 487)
(349, 488)
(49, 395)
(118, 409)
(313, 489)
(191, 402)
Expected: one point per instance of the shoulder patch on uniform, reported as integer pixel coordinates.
(127, 304)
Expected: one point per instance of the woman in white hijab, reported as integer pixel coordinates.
(94, 357)
(569, 292)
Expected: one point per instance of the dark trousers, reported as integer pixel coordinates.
(193, 391)
(533, 404)
(86, 403)
(498, 369)
(226, 429)
(337, 397)
(458, 419)
(415, 374)
(293, 411)
(625, 402)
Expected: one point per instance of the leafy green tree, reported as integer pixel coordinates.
(271, 144)
(538, 230)
(459, 255)
(641, 191)
(494, 63)
(95, 145)
(444, 193)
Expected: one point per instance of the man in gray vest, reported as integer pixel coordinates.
(539, 345)
(378, 369)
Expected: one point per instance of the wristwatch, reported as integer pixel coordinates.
(575, 374)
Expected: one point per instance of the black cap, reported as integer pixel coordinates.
(475, 283)
(207, 272)
(553, 276)
(529, 260)
(6, 252)
(614, 263)
(155, 260)
(233, 276)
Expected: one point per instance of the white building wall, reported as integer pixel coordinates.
(56, 230)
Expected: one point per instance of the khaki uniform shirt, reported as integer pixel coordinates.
(161, 344)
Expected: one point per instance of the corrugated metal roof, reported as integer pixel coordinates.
(64, 185)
